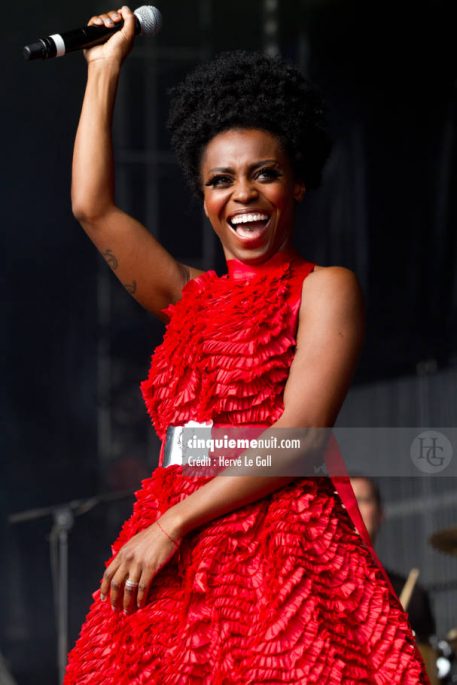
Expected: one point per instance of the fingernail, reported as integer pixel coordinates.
(98, 21)
(113, 608)
(126, 612)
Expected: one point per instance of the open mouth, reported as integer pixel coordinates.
(249, 226)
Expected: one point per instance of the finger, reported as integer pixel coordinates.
(144, 587)
(106, 580)
(114, 17)
(130, 593)
(129, 21)
(117, 587)
(95, 20)
(125, 11)
(107, 19)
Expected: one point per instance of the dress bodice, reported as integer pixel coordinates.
(228, 345)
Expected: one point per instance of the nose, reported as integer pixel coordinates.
(244, 191)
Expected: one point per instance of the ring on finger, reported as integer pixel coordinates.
(130, 584)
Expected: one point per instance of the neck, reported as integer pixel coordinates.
(238, 268)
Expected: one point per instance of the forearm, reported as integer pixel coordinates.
(93, 169)
(267, 470)
(219, 496)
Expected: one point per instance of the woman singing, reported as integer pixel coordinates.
(229, 579)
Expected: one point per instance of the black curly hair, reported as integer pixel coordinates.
(242, 89)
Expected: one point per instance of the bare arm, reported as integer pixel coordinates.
(148, 271)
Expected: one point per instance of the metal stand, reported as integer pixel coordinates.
(58, 541)
(63, 516)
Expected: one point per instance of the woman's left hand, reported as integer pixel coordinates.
(127, 580)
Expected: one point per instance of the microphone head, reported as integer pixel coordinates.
(149, 19)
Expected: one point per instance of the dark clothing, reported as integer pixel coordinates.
(419, 610)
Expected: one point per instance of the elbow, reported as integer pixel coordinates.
(81, 207)
(87, 213)
(80, 213)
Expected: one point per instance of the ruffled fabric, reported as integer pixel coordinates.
(283, 590)
(227, 349)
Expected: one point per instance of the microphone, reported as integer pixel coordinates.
(148, 22)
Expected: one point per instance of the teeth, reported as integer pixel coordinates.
(248, 218)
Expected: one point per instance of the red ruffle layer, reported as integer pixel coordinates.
(281, 591)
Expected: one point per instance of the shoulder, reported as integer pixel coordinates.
(328, 341)
(334, 287)
(325, 278)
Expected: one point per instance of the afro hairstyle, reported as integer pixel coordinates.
(249, 90)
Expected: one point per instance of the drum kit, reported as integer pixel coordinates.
(440, 656)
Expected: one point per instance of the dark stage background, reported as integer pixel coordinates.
(74, 345)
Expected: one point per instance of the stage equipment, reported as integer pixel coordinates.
(445, 540)
(148, 23)
(63, 516)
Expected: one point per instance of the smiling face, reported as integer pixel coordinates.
(249, 193)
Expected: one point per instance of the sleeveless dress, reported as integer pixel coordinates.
(283, 590)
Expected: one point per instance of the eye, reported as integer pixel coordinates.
(267, 174)
(219, 181)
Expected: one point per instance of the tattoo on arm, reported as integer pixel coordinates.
(111, 259)
(130, 287)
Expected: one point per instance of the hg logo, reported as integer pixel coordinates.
(431, 452)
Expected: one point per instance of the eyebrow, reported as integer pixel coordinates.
(227, 170)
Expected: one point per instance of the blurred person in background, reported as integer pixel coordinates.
(419, 610)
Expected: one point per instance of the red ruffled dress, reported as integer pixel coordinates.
(284, 590)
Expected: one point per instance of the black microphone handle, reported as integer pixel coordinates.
(78, 39)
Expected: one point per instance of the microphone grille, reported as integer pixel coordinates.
(149, 19)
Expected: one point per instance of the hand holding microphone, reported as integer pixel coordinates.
(120, 26)
(145, 20)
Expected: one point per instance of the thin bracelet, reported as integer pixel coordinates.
(168, 536)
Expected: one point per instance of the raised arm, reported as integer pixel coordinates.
(145, 268)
